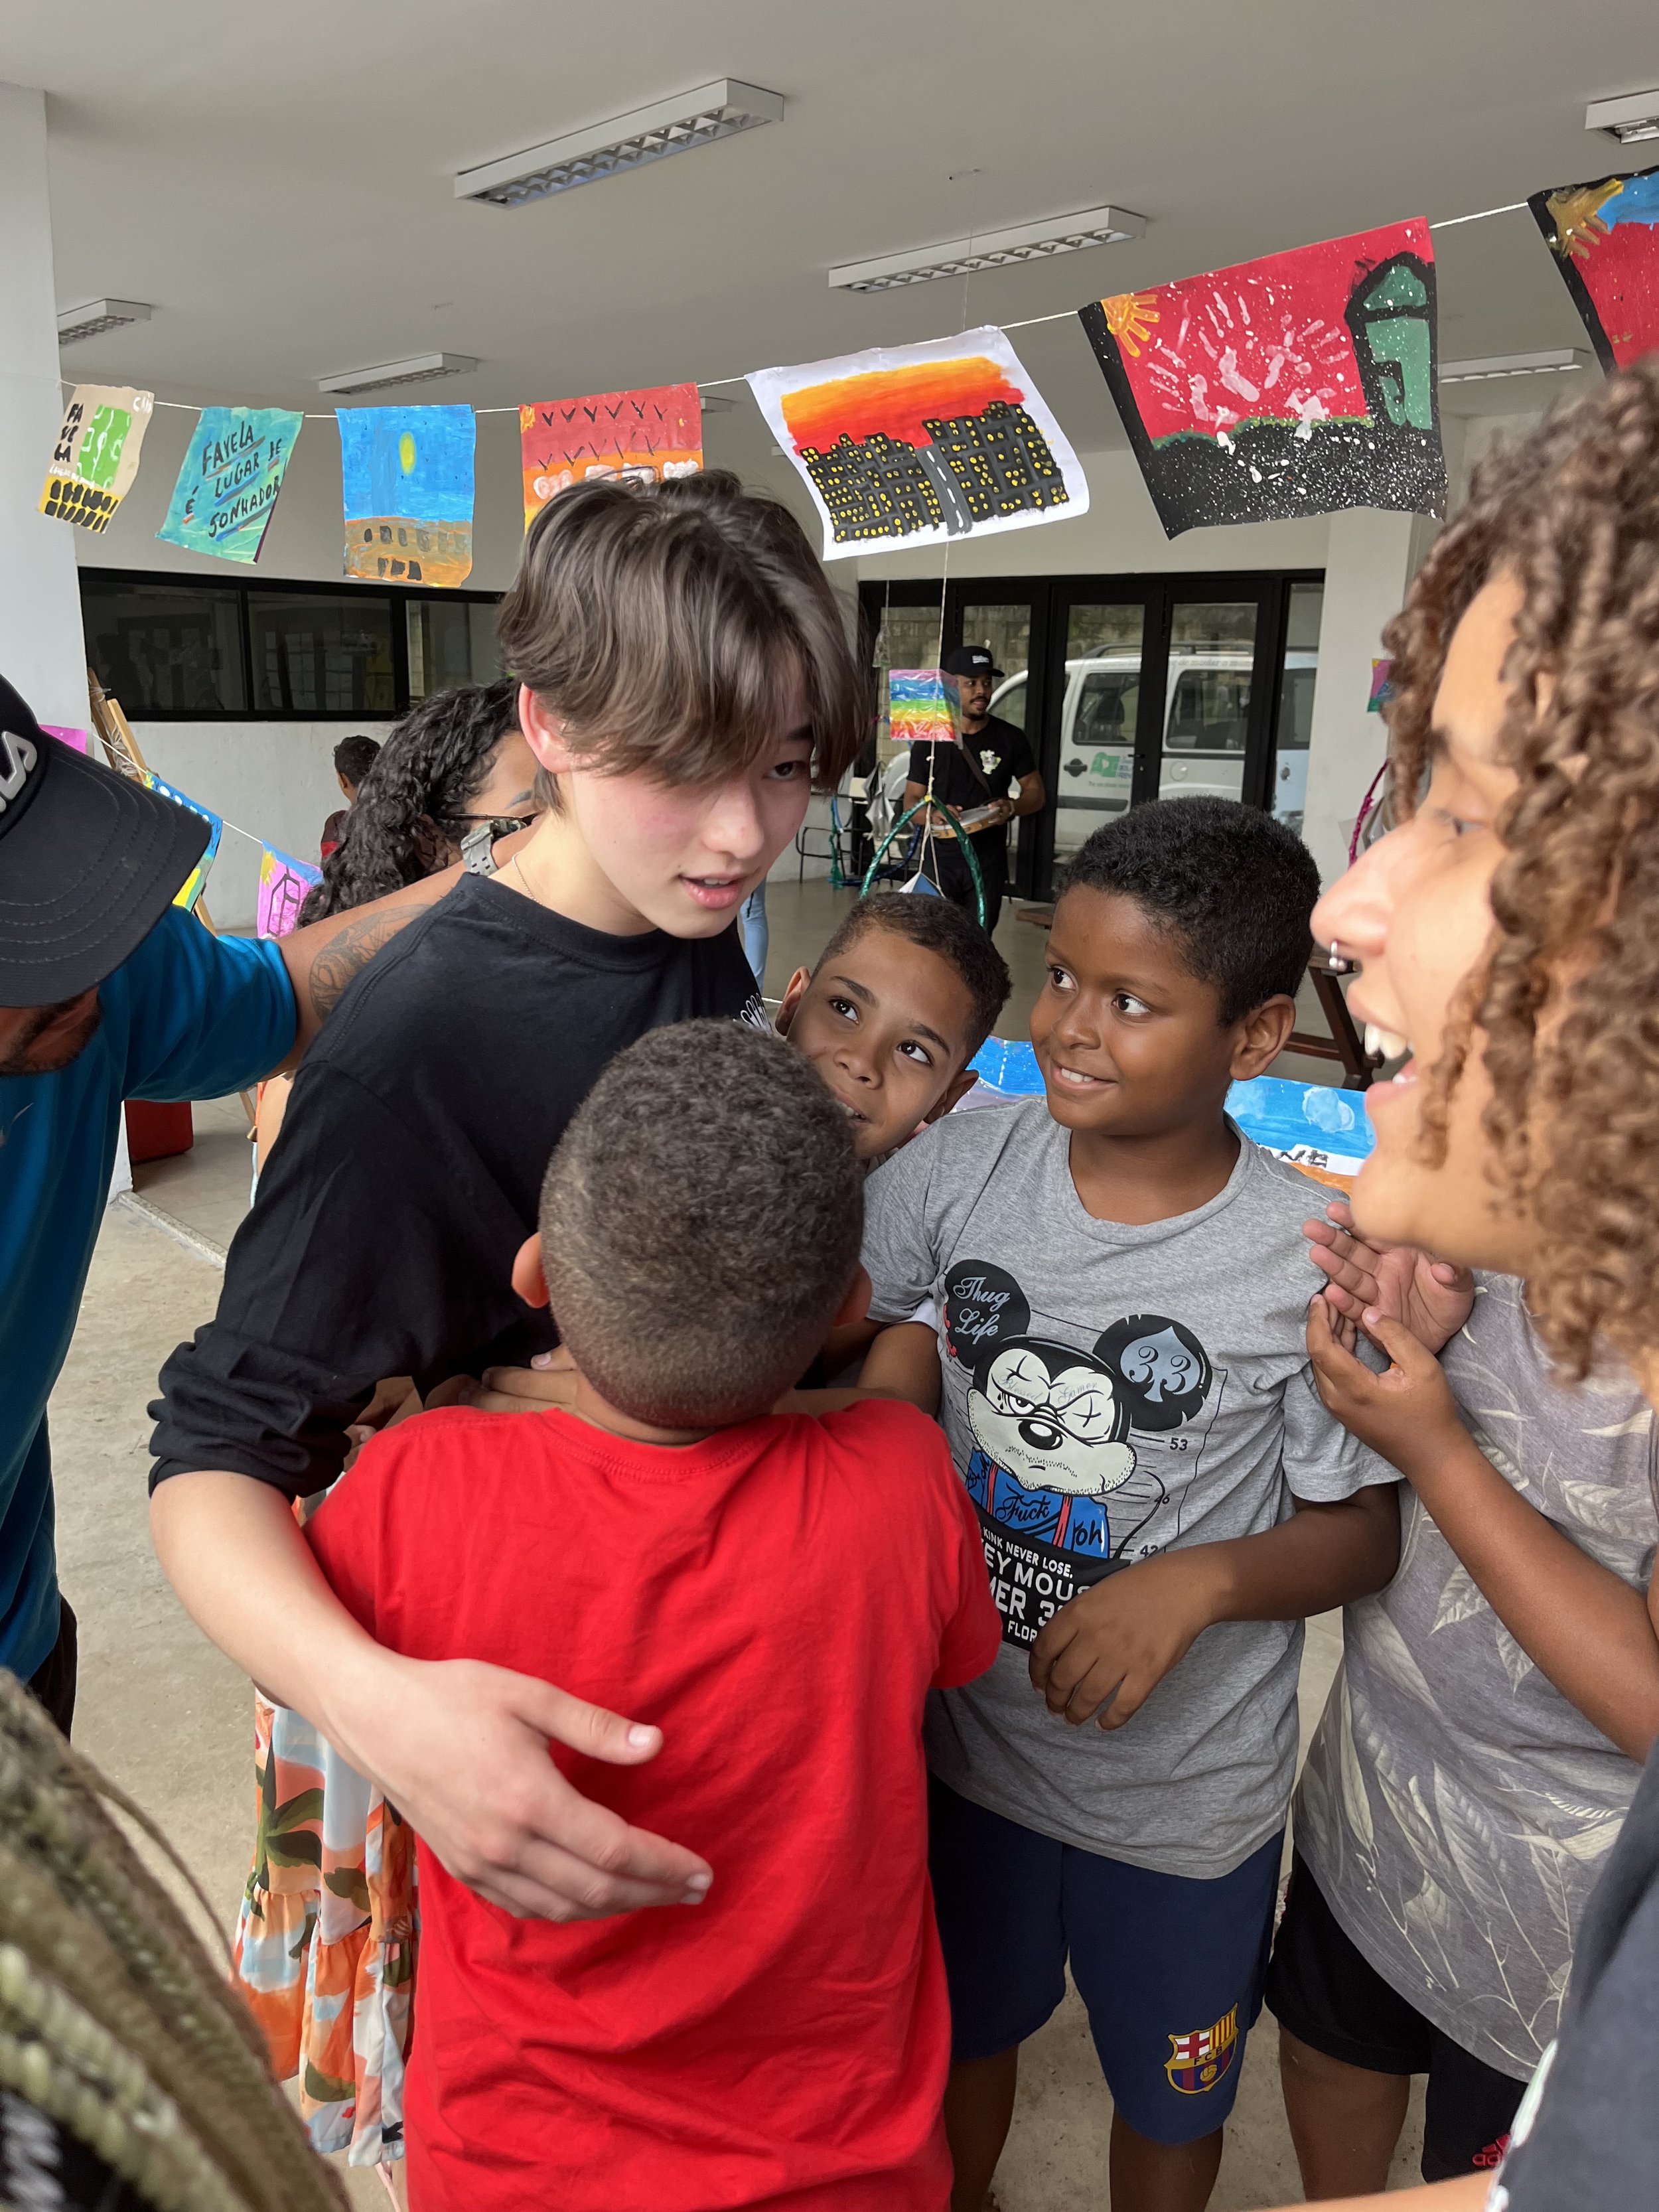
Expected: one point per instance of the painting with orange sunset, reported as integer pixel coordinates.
(899, 401)
(911, 444)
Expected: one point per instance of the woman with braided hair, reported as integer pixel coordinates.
(1508, 933)
(131, 2079)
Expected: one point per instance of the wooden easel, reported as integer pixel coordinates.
(121, 750)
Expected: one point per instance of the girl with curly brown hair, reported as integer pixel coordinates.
(1508, 934)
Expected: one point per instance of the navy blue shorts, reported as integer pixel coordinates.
(1170, 1968)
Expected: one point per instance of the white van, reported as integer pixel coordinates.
(1205, 719)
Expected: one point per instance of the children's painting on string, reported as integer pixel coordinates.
(228, 485)
(915, 445)
(1605, 238)
(923, 707)
(191, 890)
(649, 434)
(95, 458)
(283, 883)
(1293, 385)
(406, 478)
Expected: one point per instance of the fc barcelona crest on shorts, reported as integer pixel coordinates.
(1198, 2061)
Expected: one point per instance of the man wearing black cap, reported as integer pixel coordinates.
(993, 757)
(107, 991)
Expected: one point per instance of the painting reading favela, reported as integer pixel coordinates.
(96, 456)
(227, 486)
(406, 476)
(1606, 241)
(914, 445)
(654, 433)
(1289, 386)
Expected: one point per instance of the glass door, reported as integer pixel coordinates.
(1008, 619)
(1129, 688)
(1207, 693)
(1293, 724)
(1099, 717)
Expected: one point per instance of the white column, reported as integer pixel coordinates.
(42, 651)
(1370, 557)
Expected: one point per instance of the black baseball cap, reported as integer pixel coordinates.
(89, 861)
(971, 660)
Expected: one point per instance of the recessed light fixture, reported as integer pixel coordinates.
(990, 249)
(713, 110)
(420, 368)
(96, 315)
(1557, 359)
(1631, 117)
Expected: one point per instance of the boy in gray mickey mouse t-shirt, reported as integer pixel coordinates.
(1121, 1287)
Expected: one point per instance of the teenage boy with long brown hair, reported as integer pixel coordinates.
(685, 676)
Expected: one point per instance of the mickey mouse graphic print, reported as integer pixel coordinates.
(1111, 1389)
(1064, 1490)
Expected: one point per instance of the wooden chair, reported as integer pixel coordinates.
(1344, 1043)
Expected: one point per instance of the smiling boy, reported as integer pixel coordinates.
(1122, 1294)
(904, 994)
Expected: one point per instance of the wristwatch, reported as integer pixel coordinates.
(477, 850)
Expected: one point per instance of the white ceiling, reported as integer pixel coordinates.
(277, 177)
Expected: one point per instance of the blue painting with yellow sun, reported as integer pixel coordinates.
(406, 480)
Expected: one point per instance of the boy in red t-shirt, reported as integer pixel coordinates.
(779, 1593)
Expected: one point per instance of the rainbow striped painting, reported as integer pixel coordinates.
(923, 707)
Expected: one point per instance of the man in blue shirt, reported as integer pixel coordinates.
(107, 991)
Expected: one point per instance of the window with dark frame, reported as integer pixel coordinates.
(189, 649)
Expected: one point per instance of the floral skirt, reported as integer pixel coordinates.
(327, 1936)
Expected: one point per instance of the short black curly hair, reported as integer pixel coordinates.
(1235, 889)
(354, 756)
(938, 926)
(700, 1224)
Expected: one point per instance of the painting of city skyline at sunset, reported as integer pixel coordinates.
(915, 445)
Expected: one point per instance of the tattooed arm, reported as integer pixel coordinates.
(322, 959)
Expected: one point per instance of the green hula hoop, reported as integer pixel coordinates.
(965, 842)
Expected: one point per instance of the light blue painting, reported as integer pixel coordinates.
(406, 484)
(226, 488)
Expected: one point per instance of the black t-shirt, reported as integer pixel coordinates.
(408, 1170)
(1588, 2131)
(1002, 755)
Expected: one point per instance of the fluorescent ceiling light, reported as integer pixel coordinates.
(1631, 117)
(96, 315)
(1552, 363)
(713, 110)
(715, 403)
(990, 249)
(420, 368)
